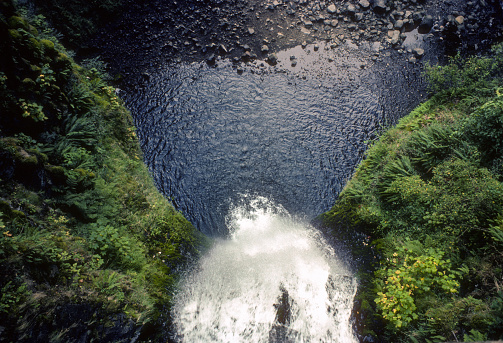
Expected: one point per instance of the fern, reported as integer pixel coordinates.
(431, 146)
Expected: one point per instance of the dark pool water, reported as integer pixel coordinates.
(291, 134)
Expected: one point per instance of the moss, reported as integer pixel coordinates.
(15, 34)
(35, 69)
(17, 22)
(16, 214)
(25, 158)
(5, 208)
(48, 46)
(29, 83)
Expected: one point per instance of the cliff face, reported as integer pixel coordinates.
(428, 202)
(88, 248)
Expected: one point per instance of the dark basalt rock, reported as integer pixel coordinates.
(426, 24)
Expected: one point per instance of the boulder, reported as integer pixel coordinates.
(459, 20)
(364, 4)
(394, 36)
(350, 9)
(426, 24)
(418, 52)
(332, 9)
(272, 59)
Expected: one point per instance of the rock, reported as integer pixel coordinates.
(380, 6)
(264, 49)
(251, 30)
(350, 9)
(222, 49)
(412, 59)
(304, 44)
(292, 58)
(426, 24)
(246, 56)
(316, 47)
(459, 20)
(358, 16)
(417, 17)
(394, 36)
(418, 52)
(332, 9)
(308, 23)
(334, 23)
(272, 59)
(364, 4)
(211, 59)
(398, 24)
(305, 31)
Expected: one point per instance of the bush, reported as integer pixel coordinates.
(408, 276)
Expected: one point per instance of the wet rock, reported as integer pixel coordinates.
(459, 20)
(308, 23)
(398, 24)
(379, 6)
(272, 59)
(364, 4)
(332, 9)
(305, 31)
(211, 59)
(350, 9)
(222, 49)
(394, 36)
(418, 52)
(426, 24)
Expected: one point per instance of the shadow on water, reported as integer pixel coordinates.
(292, 132)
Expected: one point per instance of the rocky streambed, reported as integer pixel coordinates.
(150, 33)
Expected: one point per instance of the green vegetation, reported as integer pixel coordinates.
(429, 196)
(84, 233)
(77, 20)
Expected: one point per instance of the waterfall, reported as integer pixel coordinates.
(273, 280)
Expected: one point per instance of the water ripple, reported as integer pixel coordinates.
(294, 136)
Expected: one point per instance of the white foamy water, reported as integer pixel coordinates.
(273, 280)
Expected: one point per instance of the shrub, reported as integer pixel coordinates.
(405, 277)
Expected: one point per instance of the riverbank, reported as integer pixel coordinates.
(426, 203)
(89, 249)
(154, 33)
